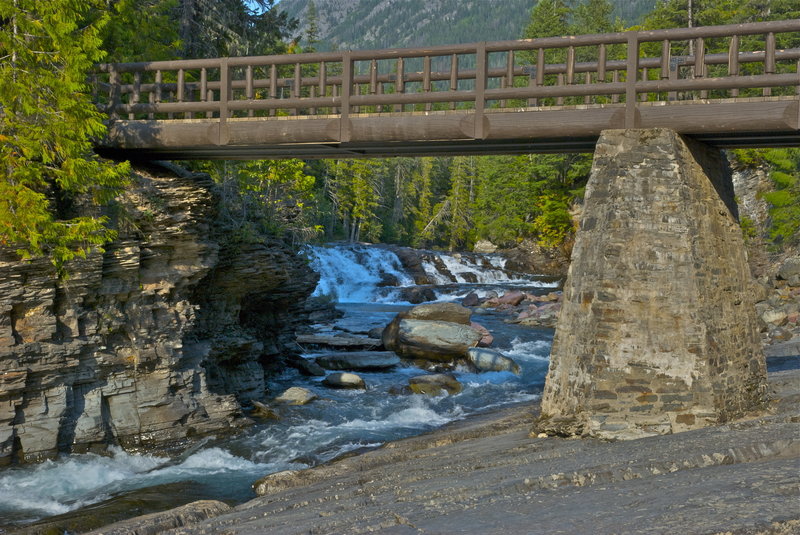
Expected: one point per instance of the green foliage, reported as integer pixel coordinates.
(273, 197)
(46, 129)
(141, 30)
(675, 13)
(783, 166)
(785, 200)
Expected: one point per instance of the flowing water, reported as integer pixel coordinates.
(341, 421)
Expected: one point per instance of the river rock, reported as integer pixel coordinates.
(435, 384)
(262, 411)
(305, 366)
(790, 270)
(400, 390)
(489, 360)
(471, 300)
(511, 298)
(451, 312)
(296, 395)
(432, 340)
(416, 294)
(359, 360)
(486, 337)
(775, 316)
(543, 316)
(484, 247)
(344, 380)
(338, 341)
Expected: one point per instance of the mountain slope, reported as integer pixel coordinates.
(364, 24)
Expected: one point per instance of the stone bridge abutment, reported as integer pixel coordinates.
(658, 331)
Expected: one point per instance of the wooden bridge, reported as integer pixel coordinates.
(540, 95)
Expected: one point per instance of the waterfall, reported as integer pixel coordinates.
(445, 268)
(356, 273)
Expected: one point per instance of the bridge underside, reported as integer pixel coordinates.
(759, 122)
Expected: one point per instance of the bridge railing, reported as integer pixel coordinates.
(627, 69)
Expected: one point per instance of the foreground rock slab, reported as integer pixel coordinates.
(487, 475)
(159, 522)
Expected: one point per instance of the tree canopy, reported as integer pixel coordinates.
(46, 128)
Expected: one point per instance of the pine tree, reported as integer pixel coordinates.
(212, 28)
(312, 27)
(141, 30)
(46, 128)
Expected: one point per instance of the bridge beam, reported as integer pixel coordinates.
(658, 331)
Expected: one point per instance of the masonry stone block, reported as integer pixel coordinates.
(658, 331)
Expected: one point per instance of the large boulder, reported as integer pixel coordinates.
(344, 380)
(359, 360)
(416, 294)
(432, 340)
(489, 360)
(790, 270)
(296, 396)
(452, 312)
(435, 384)
(471, 300)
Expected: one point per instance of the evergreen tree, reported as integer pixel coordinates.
(312, 27)
(212, 28)
(46, 128)
(141, 30)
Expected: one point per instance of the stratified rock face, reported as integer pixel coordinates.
(149, 343)
(658, 332)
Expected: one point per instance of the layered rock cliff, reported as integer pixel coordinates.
(158, 339)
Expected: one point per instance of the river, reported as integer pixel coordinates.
(341, 421)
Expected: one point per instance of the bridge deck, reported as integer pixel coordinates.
(541, 95)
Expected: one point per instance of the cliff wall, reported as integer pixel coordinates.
(156, 340)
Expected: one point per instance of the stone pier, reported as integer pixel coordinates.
(658, 333)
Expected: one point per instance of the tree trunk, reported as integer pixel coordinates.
(185, 21)
(397, 209)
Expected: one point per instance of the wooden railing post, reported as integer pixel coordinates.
(347, 87)
(453, 77)
(426, 79)
(630, 80)
(137, 87)
(481, 75)
(273, 85)
(224, 97)
(769, 61)
(733, 61)
(249, 90)
(114, 90)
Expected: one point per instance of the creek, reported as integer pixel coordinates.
(341, 421)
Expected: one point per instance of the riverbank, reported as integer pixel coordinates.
(487, 475)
